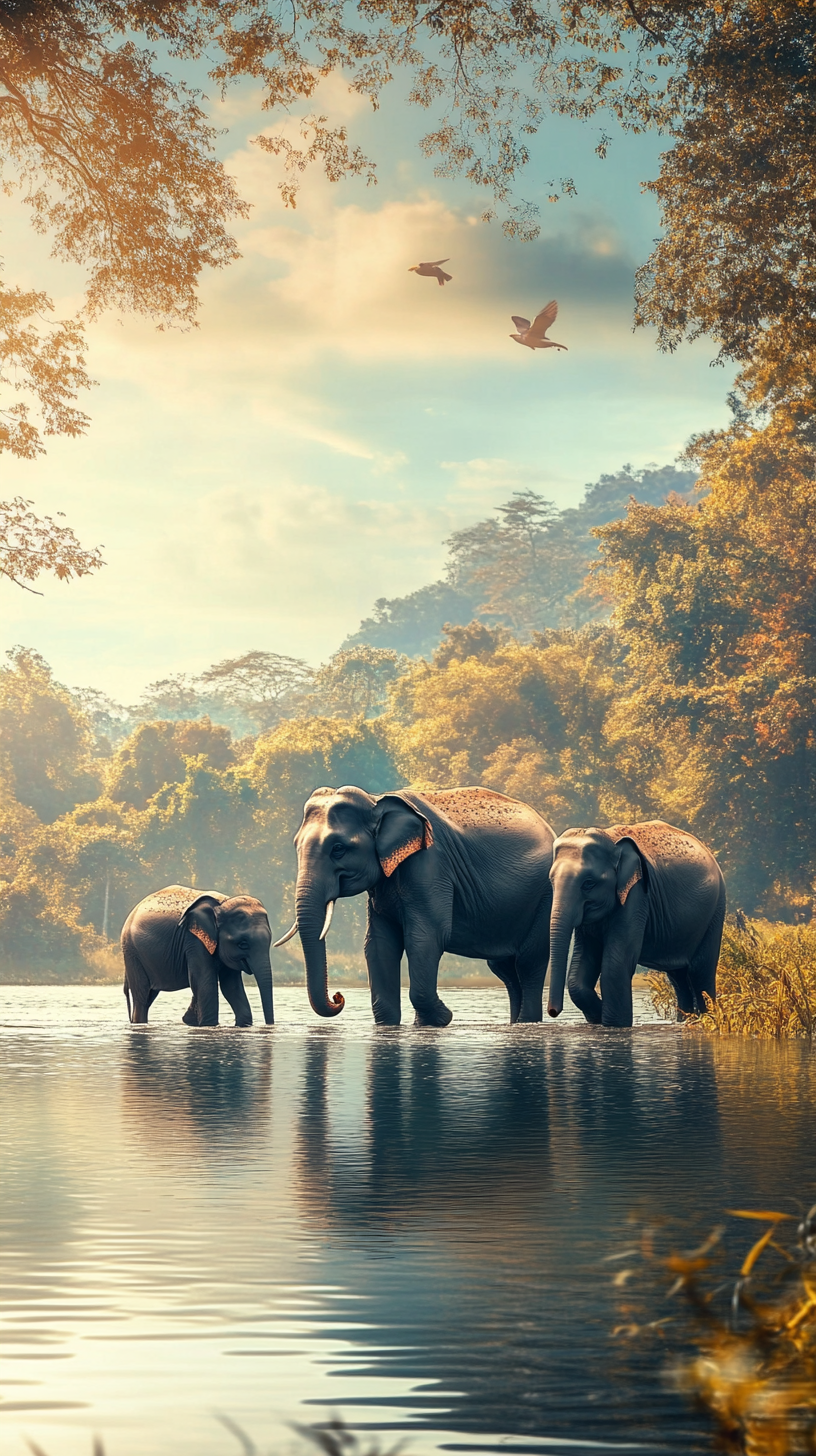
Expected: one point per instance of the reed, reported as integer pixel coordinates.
(333, 1438)
(766, 983)
(744, 1347)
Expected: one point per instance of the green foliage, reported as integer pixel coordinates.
(44, 738)
(525, 719)
(714, 603)
(155, 754)
(355, 681)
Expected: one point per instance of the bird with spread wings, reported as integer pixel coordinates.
(533, 335)
(433, 270)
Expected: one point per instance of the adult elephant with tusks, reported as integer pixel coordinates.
(181, 937)
(464, 870)
(635, 893)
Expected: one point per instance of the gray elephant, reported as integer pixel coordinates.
(180, 937)
(645, 893)
(464, 870)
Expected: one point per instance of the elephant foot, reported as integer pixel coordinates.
(386, 1018)
(441, 1016)
(530, 1016)
(245, 1021)
(190, 1017)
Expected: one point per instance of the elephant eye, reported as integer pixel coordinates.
(338, 850)
(243, 943)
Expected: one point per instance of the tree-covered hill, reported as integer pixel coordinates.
(523, 567)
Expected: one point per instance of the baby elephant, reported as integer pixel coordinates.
(181, 937)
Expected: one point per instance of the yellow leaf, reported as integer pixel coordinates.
(763, 1216)
(755, 1252)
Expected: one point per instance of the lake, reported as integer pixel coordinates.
(403, 1227)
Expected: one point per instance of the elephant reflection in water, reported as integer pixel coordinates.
(180, 1091)
(527, 1135)
(472, 1196)
(429, 1141)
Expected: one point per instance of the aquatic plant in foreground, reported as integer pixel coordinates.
(766, 983)
(743, 1348)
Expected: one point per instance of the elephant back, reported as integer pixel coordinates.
(663, 846)
(174, 900)
(482, 809)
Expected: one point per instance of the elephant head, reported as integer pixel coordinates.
(591, 877)
(239, 930)
(347, 841)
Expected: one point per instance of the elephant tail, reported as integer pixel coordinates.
(126, 989)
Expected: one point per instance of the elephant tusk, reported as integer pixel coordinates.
(327, 922)
(287, 936)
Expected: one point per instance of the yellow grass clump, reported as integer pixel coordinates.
(744, 1348)
(766, 983)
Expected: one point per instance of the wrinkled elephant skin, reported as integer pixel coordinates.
(462, 870)
(179, 937)
(636, 893)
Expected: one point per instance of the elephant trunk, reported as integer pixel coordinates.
(311, 902)
(262, 971)
(565, 917)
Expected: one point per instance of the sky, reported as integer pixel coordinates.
(257, 482)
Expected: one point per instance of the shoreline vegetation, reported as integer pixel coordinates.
(766, 984)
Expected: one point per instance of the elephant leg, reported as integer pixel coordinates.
(584, 971)
(203, 979)
(531, 964)
(704, 962)
(384, 946)
(617, 971)
(622, 945)
(424, 955)
(505, 968)
(142, 994)
(232, 985)
(190, 1017)
(684, 993)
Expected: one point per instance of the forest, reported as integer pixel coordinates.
(650, 652)
(647, 654)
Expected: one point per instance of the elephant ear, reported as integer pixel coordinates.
(401, 831)
(199, 919)
(628, 870)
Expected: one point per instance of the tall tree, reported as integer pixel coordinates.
(715, 603)
(260, 685)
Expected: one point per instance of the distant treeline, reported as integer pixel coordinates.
(680, 682)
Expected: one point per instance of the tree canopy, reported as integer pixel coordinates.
(114, 156)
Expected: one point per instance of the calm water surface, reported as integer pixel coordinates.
(403, 1226)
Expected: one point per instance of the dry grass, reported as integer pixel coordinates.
(333, 1438)
(766, 983)
(743, 1349)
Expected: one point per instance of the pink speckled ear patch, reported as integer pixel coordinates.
(205, 939)
(396, 857)
(630, 884)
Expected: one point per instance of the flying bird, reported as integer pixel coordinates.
(433, 270)
(534, 335)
